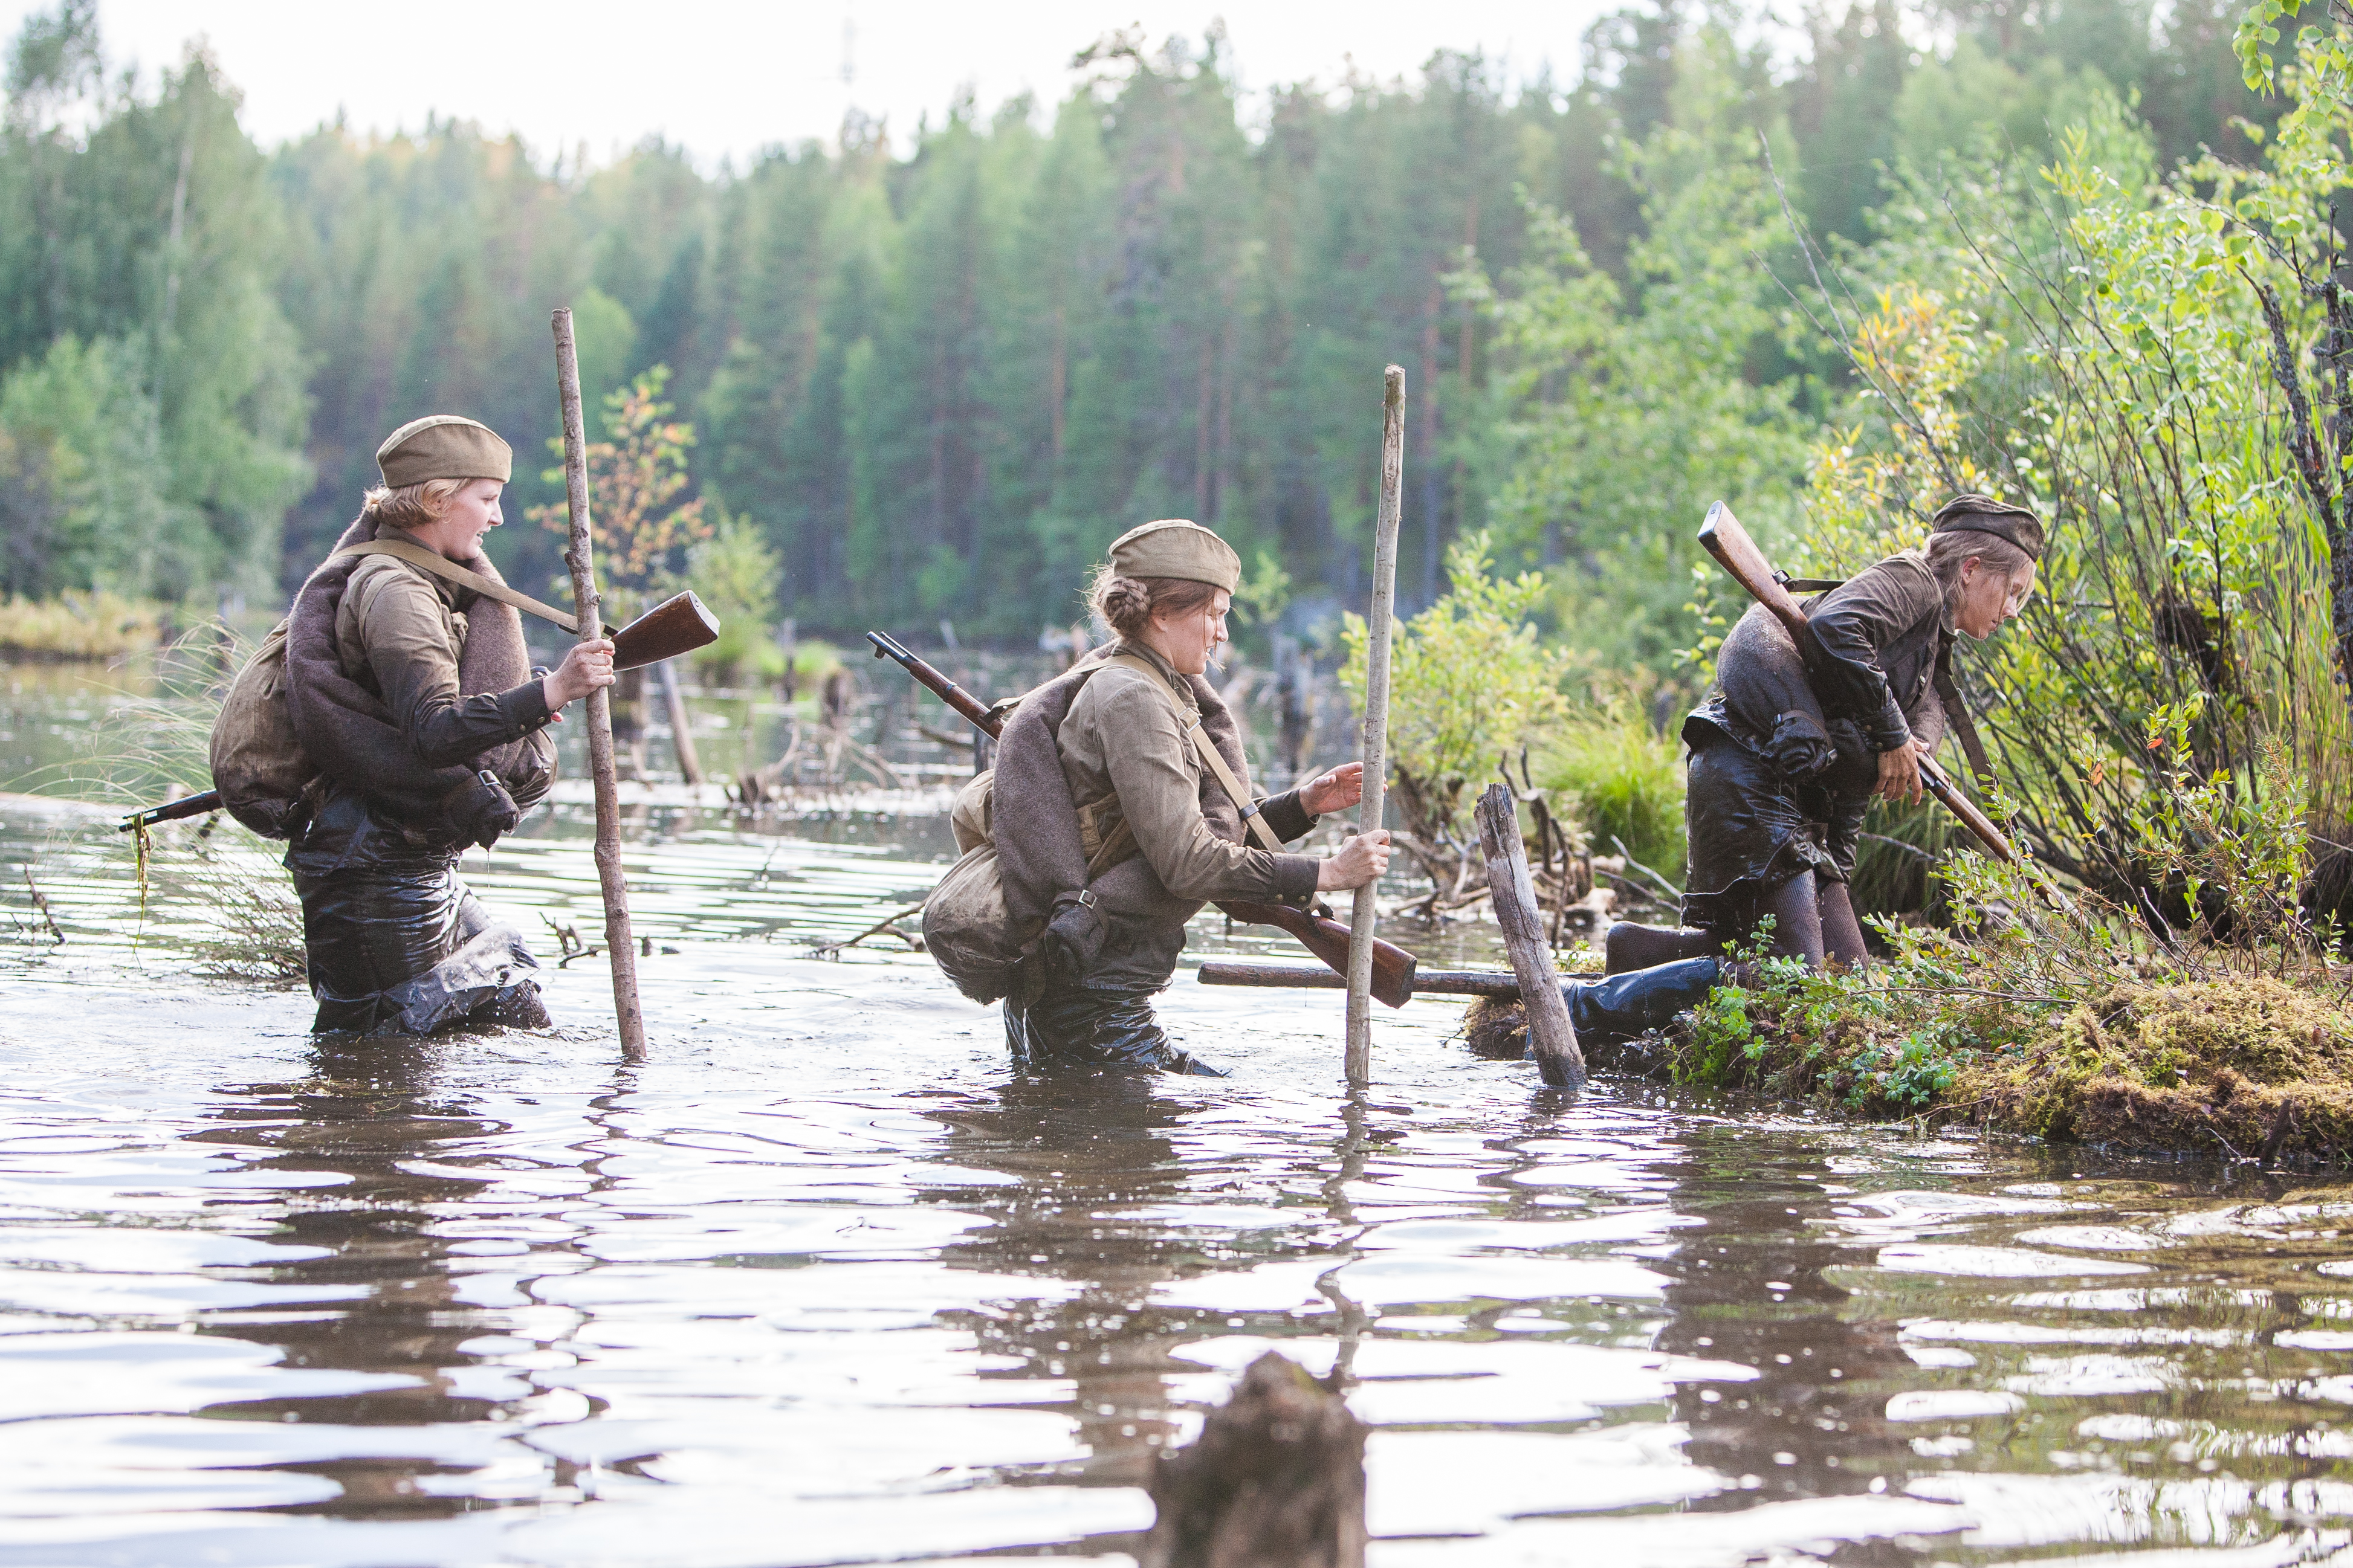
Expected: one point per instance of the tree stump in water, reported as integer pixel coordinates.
(1276, 1479)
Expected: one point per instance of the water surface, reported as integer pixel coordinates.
(823, 1282)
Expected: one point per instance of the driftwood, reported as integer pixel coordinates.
(1276, 1479)
(1552, 1039)
(1376, 720)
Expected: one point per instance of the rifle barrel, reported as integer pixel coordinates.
(171, 811)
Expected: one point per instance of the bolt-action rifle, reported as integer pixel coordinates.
(1327, 939)
(1725, 539)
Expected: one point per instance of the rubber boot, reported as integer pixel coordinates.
(1629, 946)
(486, 976)
(1626, 1005)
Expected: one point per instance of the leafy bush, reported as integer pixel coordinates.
(734, 570)
(1470, 685)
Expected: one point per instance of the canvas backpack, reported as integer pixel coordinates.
(257, 764)
(968, 929)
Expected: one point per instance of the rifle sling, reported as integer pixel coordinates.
(1957, 711)
(1207, 750)
(442, 566)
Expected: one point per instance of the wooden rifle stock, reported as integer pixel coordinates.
(1326, 938)
(1722, 537)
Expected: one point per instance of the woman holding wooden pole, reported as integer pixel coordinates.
(413, 697)
(1121, 804)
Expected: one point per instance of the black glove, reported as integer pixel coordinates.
(1073, 940)
(482, 810)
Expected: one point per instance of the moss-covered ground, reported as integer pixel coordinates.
(2252, 1066)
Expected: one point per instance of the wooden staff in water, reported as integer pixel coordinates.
(1376, 720)
(620, 947)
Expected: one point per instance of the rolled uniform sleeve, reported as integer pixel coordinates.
(1159, 794)
(404, 629)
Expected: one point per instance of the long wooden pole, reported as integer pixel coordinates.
(1376, 719)
(621, 946)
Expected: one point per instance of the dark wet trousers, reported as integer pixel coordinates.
(1078, 1028)
(403, 946)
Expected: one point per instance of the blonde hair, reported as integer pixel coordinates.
(1948, 552)
(1128, 604)
(410, 506)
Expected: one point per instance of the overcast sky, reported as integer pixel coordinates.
(725, 79)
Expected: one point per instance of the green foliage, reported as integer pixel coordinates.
(734, 570)
(76, 625)
(151, 440)
(1470, 684)
(635, 478)
(1635, 402)
(940, 373)
(83, 478)
(1622, 780)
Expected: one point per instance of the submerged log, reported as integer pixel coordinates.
(1552, 1039)
(1276, 1479)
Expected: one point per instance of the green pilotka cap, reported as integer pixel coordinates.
(1971, 513)
(443, 447)
(1176, 547)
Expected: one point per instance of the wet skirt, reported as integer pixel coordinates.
(1752, 829)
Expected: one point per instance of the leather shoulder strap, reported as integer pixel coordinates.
(442, 566)
(1207, 750)
(1957, 714)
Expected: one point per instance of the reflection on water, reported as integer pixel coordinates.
(823, 1281)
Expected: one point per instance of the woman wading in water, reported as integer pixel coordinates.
(415, 700)
(1779, 779)
(1116, 745)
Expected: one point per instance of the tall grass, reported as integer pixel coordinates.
(1622, 779)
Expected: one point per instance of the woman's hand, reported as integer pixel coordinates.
(587, 666)
(1899, 772)
(1361, 859)
(1338, 790)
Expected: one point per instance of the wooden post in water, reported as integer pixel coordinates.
(1551, 1036)
(1376, 720)
(1277, 1476)
(621, 946)
(690, 766)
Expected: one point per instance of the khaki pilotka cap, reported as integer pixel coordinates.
(1176, 547)
(443, 447)
(1972, 513)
